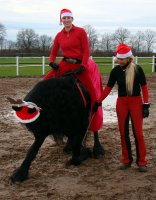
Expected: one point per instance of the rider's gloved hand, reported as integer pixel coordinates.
(79, 70)
(54, 65)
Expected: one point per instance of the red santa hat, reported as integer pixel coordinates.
(123, 51)
(26, 112)
(65, 13)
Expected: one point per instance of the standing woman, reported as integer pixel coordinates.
(131, 81)
(74, 45)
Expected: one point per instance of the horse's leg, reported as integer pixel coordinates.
(21, 173)
(79, 153)
(76, 141)
(68, 147)
(97, 148)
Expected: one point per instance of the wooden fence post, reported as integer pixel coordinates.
(43, 65)
(17, 66)
(153, 64)
(136, 60)
(113, 62)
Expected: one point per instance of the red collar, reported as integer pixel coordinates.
(72, 29)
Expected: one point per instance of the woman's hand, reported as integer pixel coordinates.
(145, 110)
(96, 105)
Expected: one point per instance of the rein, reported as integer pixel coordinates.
(81, 92)
(77, 83)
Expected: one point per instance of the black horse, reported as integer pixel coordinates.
(63, 112)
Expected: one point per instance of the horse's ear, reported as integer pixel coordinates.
(12, 101)
(16, 108)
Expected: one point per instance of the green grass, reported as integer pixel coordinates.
(8, 66)
(7, 71)
(23, 71)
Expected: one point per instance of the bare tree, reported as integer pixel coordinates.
(27, 39)
(121, 35)
(45, 42)
(150, 39)
(137, 41)
(92, 36)
(11, 45)
(132, 41)
(2, 35)
(107, 42)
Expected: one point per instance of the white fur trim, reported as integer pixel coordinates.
(66, 14)
(28, 120)
(126, 55)
(32, 105)
(29, 104)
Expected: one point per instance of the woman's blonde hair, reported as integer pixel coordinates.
(130, 74)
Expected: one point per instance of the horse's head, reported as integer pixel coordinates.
(25, 112)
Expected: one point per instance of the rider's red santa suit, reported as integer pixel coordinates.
(74, 45)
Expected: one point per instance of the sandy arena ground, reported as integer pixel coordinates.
(49, 178)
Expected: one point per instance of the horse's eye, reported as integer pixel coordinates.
(31, 110)
(16, 108)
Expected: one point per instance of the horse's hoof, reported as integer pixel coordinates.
(85, 153)
(67, 150)
(98, 152)
(74, 162)
(18, 176)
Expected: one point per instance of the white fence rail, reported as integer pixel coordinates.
(113, 63)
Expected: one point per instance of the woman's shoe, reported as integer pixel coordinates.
(142, 168)
(125, 166)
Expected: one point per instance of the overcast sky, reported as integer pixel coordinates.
(103, 15)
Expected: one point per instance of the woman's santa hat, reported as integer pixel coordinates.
(123, 51)
(65, 13)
